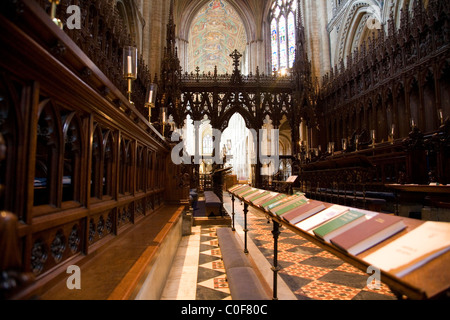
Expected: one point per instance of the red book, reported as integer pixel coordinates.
(304, 211)
(368, 234)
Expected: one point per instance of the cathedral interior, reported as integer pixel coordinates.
(120, 118)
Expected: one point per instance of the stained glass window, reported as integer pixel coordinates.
(283, 36)
(274, 46)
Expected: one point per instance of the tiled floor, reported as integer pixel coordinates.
(211, 282)
(307, 271)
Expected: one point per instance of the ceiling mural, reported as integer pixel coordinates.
(216, 31)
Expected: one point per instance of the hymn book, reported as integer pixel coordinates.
(290, 205)
(369, 233)
(413, 250)
(339, 225)
(273, 200)
(285, 201)
(249, 193)
(264, 198)
(259, 194)
(321, 217)
(302, 212)
(243, 190)
(236, 187)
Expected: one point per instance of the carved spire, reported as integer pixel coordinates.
(170, 39)
(170, 70)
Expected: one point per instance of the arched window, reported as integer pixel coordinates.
(208, 145)
(283, 37)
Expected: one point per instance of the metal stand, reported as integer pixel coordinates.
(276, 233)
(245, 227)
(233, 213)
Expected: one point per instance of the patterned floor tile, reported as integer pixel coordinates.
(320, 290)
(212, 284)
(306, 271)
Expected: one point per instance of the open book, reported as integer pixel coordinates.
(413, 250)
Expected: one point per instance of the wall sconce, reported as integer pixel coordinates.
(150, 99)
(57, 21)
(130, 55)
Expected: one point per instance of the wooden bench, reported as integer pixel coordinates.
(118, 271)
(242, 279)
(213, 205)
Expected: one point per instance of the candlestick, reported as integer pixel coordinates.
(130, 68)
(57, 21)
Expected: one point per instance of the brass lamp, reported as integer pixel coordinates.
(130, 55)
(57, 21)
(150, 99)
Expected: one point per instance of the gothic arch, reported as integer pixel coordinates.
(353, 31)
(130, 16)
(224, 120)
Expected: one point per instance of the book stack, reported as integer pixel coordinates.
(355, 231)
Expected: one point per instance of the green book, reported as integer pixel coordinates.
(294, 205)
(250, 192)
(339, 225)
(281, 202)
(259, 196)
(276, 199)
(243, 190)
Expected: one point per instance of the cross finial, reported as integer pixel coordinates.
(236, 56)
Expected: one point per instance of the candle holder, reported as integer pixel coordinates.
(344, 145)
(163, 119)
(441, 116)
(150, 99)
(130, 55)
(392, 134)
(57, 21)
(373, 136)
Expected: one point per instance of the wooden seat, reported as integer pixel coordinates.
(242, 279)
(119, 270)
(213, 205)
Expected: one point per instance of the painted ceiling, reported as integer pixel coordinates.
(216, 31)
